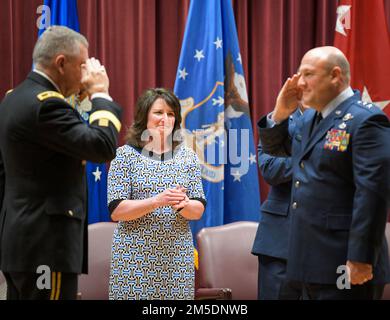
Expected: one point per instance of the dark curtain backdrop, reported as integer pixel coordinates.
(139, 41)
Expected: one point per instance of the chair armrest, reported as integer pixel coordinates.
(213, 294)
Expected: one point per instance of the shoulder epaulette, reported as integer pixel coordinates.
(9, 91)
(366, 105)
(104, 118)
(50, 94)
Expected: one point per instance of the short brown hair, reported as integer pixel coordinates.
(144, 104)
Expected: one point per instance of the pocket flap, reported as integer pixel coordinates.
(71, 207)
(275, 207)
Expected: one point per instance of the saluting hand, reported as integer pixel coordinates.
(288, 99)
(94, 77)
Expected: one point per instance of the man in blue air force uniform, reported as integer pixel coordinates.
(43, 148)
(271, 242)
(339, 187)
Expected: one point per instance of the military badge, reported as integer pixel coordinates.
(342, 125)
(347, 117)
(82, 104)
(365, 104)
(336, 140)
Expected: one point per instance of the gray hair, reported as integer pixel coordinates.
(57, 40)
(336, 59)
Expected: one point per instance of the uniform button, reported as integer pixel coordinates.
(70, 213)
(297, 183)
(294, 205)
(302, 165)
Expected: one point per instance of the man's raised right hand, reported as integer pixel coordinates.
(288, 99)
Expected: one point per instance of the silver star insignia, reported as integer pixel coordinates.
(347, 117)
(342, 125)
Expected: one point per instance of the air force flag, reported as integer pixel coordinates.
(211, 87)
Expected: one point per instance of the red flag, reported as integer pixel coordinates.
(363, 36)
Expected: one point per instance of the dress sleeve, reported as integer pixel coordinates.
(195, 186)
(119, 178)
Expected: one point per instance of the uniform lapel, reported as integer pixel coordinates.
(308, 118)
(320, 131)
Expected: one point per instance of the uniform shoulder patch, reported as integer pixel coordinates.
(50, 94)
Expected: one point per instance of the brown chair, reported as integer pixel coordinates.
(386, 292)
(227, 269)
(94, 285)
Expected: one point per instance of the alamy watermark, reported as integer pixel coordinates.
(232, 146)
(44, 280)
(44, 20)
(343, 281)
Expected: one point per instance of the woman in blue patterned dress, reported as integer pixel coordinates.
(154, 188)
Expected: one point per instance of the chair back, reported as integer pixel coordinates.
(94, 285)
(386, 291)
(225, 259)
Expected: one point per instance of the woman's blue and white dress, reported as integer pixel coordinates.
(152, 257)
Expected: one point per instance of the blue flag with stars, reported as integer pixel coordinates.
(64, 13)
(211, 87)
(97, 192)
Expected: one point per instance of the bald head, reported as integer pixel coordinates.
(324, 74)
(332, 57)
